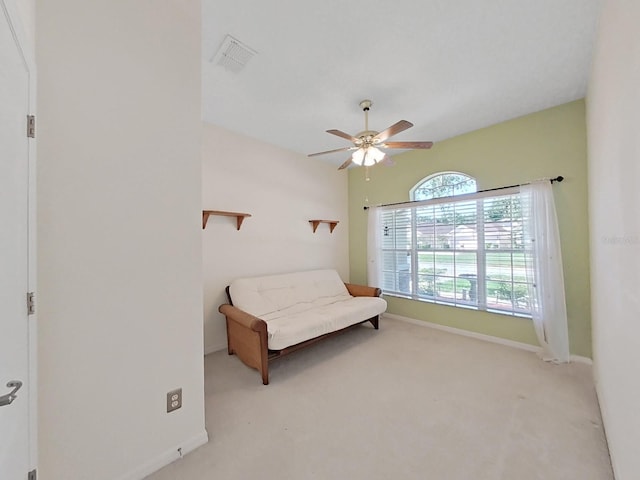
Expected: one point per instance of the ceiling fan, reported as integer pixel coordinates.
(367, 144)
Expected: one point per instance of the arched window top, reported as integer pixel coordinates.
(443, 184)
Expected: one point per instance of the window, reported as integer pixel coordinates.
(466, 252)
(446, 184)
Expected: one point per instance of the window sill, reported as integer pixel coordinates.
(462, 306)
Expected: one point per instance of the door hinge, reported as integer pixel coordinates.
(32, 475)
(31, 126)
(31, 303)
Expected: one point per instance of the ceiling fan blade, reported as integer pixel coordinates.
(331, 151)
(345, 164)
(343, 135)
(407, 145)
(397, 127)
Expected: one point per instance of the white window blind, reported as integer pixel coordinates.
(466, 251)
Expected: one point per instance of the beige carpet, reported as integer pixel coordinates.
(404, 402)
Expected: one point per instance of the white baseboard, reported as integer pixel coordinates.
(167, 457)
(216, 347)
(481, 336)
(604, 414)
(579, 359)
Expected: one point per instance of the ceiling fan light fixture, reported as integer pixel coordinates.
(372, 156)
(367, 156)
(358, 156)
(378, 155)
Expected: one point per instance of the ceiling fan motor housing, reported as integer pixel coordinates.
(366, 138)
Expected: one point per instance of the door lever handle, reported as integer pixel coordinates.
(11, 396)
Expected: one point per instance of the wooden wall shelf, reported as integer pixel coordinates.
(332, 224)
(239, 216)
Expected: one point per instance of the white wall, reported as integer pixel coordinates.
(282, 191)
(613, 106)
(120, 263)
(27, 8)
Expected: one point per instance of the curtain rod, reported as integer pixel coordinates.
(559, 178)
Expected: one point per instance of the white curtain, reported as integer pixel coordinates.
(374, 245)
(544, 270)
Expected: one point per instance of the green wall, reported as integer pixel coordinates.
(544, 144)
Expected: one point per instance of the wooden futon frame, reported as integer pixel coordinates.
(247, 334)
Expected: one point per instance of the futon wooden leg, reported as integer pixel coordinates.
(229, 349)
(375, 322)
(264, 355)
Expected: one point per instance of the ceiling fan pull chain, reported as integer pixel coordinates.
(366, 174)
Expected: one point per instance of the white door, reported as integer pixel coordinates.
(14, 266)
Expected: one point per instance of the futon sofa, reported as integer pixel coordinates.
(271, 316)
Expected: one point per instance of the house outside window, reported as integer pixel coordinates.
(457, 247)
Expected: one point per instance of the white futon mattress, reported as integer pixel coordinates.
(302, 305)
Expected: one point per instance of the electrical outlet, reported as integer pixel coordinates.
(174, 400)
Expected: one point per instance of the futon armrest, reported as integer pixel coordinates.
(243, 318)
(363, 290)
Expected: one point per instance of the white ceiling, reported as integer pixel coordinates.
(447, 66)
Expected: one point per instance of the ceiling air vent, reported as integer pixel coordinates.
(233, 54)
